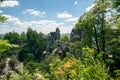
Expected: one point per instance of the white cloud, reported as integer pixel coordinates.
(44, 26)
(12, 19)
(1, 11)
(47, 26)
(10, 3)
(64, 15)
(90, 7)
(66, 29)
(76, 2)
(35, 12)
(75, 19)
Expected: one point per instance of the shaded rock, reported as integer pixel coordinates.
(11, 67)
(19, 67)
(52, 36)
(7, 68)
(63, 48)
(76, 35)
(57, 34)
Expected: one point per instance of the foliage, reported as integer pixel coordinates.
(36, 43)
(13, 37)
(49, 60)
(2, 18)
(102, 32)
(86, 68)
(65, 38)
(116, 4)
(26, 75)
(31, 37)
(23, 37)
(40, 41)
(2, 0)
(25, 56)
(4, 45)
(33, 67)
(76, 47)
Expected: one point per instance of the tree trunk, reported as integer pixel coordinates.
(96, 39)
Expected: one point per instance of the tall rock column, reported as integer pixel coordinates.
(52, 37)
(57, 34)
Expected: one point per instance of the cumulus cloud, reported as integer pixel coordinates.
(35, 12)
(75, 19)
(90, 7)
(10, 3)
(44, 26)
(76, 2)
(12, 19)
(64, 15)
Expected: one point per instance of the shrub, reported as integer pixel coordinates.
(86, 68)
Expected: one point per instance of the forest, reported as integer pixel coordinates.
(90, 52)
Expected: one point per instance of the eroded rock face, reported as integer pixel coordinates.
(62, 48)
(10, 67)
(18, 67)
(7, 68)
(52, 36)
(76, 35)
(57, 34)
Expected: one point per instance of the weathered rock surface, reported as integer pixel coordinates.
(10, 68)
(62, 48)
(52, 36)
(76, 35)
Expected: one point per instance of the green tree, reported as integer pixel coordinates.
(86, 68)
(40, 41)
(23, 36)
(2, 18)
(94, 25)
(4, 45)
(2, 0)
(36, 43)
(31, 37)
(76, 48)
(12, 37)
(116, 4)
(102, 27)
(65, 38)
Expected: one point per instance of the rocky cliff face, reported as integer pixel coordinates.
(52, 36)
(62, 47)
(76, 35)
(10, 67)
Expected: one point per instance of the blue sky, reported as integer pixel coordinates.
(42, 15)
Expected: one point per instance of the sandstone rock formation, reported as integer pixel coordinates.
(76, 35)
(10, 68)
(52, 36)
(62, 48)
